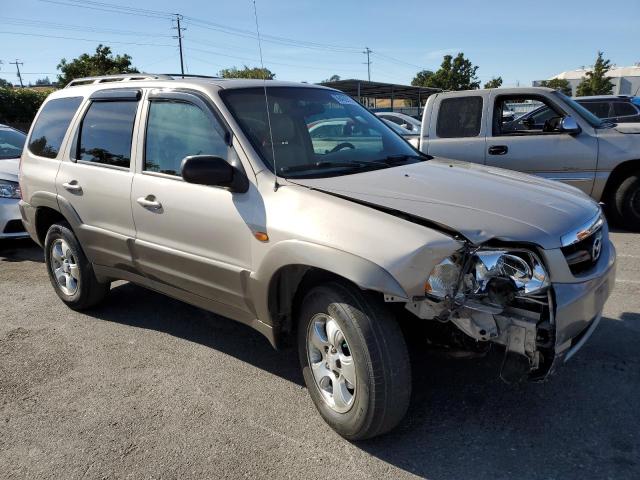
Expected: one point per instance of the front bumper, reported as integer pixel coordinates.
(578, 307)
(10, 220)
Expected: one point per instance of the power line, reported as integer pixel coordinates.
(17, 64)
(86, 39)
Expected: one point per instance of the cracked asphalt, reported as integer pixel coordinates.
(147, 387)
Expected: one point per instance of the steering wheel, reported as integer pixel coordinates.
(342, 145)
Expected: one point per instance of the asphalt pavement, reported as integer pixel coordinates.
(147, 387)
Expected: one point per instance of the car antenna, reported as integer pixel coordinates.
(276, 185)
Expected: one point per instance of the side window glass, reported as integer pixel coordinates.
(105, 133)
(51, 126)
(622, 109)
(599, 109)
(176, 130)
(459, 117)
(531, 116)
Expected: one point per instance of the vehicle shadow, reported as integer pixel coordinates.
(463, 421)
(20, 250)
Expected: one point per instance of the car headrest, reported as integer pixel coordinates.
(283, 128)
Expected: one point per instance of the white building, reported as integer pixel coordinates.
(626, 80)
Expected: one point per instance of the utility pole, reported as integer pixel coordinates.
(17, 64)
(367, 52)
(179, 37)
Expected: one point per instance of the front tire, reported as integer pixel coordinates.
(625, 203)
(70, 272)
(354, 360)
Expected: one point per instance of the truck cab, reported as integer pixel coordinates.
(542, 132)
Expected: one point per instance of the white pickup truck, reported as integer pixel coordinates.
(542, 132)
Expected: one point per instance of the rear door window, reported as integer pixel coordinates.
(599, 109)
(106, 132)
(459, 117)
(51, 126)
(623, 109)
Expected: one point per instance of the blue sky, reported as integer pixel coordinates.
(520, 41)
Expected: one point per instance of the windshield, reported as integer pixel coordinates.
(583, 112)
(316, 132)
(11, 143)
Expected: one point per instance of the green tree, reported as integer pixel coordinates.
(246, 72)
(495, 82)
(560, 84)
(5, 83)
(103, 62)
(454, 74)
(595, 81)
(332, 78)
(43, 81)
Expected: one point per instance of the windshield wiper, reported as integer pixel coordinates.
(396, 159)
(325, 164)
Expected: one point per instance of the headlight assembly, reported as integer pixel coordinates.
(9, 189)
(498, 274)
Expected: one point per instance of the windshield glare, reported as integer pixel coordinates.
(11, 143)
(583, 112)
(316, 132)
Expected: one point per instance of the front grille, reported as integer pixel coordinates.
(14, 226)
(583, 255)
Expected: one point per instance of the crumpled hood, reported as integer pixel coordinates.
(477, 201)
(628, 127)
(9, 168)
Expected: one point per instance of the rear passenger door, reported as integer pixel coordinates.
(95, 177)
(457, 129)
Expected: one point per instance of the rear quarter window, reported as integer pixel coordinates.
(459, 117)
(51, 126)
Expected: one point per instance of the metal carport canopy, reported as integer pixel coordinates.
(363, 88)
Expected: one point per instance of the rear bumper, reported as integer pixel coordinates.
(10, 220)
(28, 214)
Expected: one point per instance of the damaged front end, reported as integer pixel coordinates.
(497, 295)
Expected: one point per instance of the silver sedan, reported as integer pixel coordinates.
(11, 144)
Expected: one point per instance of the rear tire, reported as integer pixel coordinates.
(354, 360)
(625, 203)
(70, 272)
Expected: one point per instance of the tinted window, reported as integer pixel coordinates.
(621, 109)
(599, 109)
(51, 126)
(11, 143)
(105, 133)
(176, 130)
(459, 117)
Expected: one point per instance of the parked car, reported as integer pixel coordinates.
(615, 108)
(219, 194)
(410, 136)
(11, 144)
(405, 121)
(559, 139)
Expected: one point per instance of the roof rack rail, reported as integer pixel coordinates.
(117, 78)
(131, 76)
(187, 75)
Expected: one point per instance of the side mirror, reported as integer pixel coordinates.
(569, 125)
(213, 171)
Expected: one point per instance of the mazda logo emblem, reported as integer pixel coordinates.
(596, 249)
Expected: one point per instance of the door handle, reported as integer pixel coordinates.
(498, 149)
(72, 186)
(149, 202)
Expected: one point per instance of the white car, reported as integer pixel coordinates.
(11, 144)
(413, 137)
(403, 120)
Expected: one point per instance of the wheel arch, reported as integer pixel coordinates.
(292, 267)
(617, 175)
(49, 209)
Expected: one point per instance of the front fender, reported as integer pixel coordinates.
(360, 271)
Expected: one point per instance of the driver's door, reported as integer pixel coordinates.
(191, 237)
(533, 146)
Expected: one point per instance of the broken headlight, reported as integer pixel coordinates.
(499, 274)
